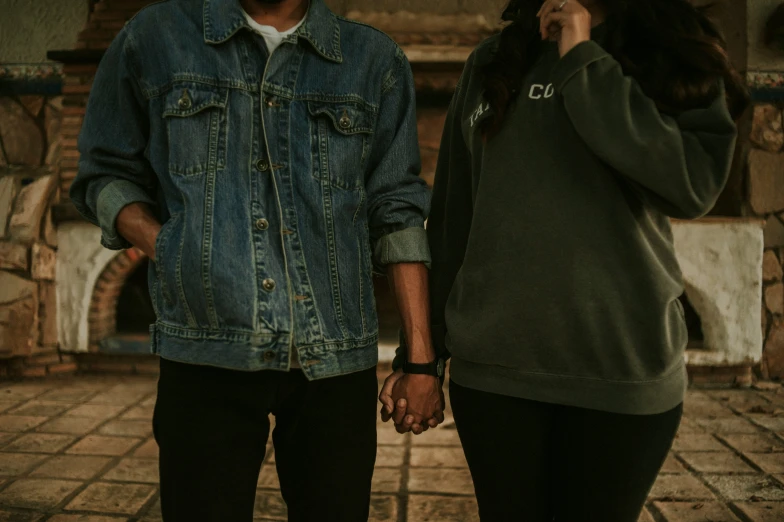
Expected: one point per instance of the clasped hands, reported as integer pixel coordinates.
(414, 402)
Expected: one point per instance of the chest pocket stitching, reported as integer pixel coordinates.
(348, 120)
(183, 102)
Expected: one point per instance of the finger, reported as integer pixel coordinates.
(416, 429)
(554, 6)
(406, 425)
(386, 389)
(556, 18)
(433, 422)
(384, 415)
(400, 411)
(388, 404)
(545, 5)
(401, 429)
(548, 7)
(439, 415)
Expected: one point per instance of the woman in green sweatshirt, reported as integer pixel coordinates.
(572, 138)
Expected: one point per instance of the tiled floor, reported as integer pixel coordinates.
(80, 450)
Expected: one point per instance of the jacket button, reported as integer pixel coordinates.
(269, 355)
(345, 122)
(262, 165)
(262, 224)
(184, 102)
(268, 284)
(270, 101)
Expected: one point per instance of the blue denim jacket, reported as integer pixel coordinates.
(282, 181)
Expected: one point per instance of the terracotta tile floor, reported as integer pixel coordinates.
(81, 450)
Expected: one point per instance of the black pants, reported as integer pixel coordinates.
(212, 427)
(537, 462)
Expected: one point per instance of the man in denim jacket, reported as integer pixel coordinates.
(276, 143)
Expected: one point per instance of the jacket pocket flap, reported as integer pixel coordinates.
(187, 100)
(347, 118)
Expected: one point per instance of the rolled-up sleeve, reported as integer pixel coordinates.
(113, 171)
(398, 198)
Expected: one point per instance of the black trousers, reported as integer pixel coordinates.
(536, 462)
(212, 427)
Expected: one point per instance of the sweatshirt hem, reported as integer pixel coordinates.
(631, 398)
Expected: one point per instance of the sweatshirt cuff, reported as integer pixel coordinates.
(111, 200)
(578, 58)
(404, 246)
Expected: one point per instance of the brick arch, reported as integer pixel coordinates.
(102, 317)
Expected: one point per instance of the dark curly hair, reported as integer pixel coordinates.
(673, 50)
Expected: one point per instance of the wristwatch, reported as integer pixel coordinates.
(435, 368)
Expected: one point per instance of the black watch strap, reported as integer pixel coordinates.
(435, 368)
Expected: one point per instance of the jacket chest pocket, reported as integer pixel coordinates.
(195, 118)
(342, 136)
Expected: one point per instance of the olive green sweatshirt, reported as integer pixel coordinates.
(554, 277)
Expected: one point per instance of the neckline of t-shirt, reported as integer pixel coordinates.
(270, 30)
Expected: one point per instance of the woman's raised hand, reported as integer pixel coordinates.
(567, 21)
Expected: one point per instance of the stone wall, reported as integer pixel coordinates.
(765, 179)
(766, 199)
(29, 130)
(28, 243)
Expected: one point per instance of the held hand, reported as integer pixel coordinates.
(415, 402)
(385, 397)
(396, 409)
(566, 21)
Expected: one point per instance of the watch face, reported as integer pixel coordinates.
(441, 366)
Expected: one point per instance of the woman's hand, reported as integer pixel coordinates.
(568, 22)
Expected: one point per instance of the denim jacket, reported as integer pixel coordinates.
(282, 181)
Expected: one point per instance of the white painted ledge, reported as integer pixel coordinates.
(80, 261)
(721, 261)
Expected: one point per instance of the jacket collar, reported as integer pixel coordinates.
(223, 18)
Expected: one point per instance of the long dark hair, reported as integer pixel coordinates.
(673, 50)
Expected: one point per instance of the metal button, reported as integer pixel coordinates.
(269, 285)
(345, 121)
(185, 100)
(262, 224)
(270, 101)
(269, 355)
(262, 165)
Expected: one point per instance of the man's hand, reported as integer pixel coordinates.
(568, 22)
(137, 223)
(415, 402)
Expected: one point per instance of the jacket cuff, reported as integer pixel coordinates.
(404, 246)
(111, 200)
(578, 58)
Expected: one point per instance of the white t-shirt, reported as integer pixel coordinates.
(271, 36)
